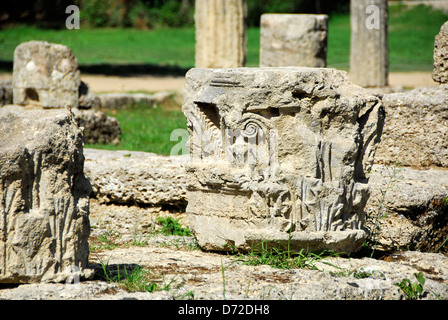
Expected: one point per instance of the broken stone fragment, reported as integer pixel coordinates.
(44, 197)
(440, 72)
(46, 75)
(279, 155)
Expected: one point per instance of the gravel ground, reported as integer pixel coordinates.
(125, 237)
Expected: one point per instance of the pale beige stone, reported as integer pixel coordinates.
(298, 40)
(220, 33)
(416, 129)
(46, 75)
(44, 197)
(279, 154)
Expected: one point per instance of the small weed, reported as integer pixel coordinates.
(358, 274)
(169, 226)
(283, 259)
(135, 280)
(103, 242)
(413, 290)
(374, 219)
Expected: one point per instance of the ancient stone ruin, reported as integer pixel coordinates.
(369, 53)
(46, 75)
(440, 72)
(298, 40)
(44, 197)
(279, 155)
(220, 33)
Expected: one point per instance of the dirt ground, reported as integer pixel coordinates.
(101, 83)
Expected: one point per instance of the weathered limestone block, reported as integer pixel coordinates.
(416, 128)
(46, 75)
(129, 177)
(44, 197)
(440, 72)
(98, 127)
(279, 155)
(221, 39)
(369, 57)
(298, 40)
(409, 207)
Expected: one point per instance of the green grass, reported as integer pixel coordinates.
(147, 128)
(114, 46)
(411, 40)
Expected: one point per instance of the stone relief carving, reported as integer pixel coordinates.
(282, 152)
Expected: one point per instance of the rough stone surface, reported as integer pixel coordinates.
(5, 92)
(98, 127)
(440, 72)
(369, 58)
(416, 128)
(298, 40)
(46, 75)
(413, 199)
(44, 196)
(221, 39)
(129, 177)
(279, 154)
(410, 207)
(199, 275)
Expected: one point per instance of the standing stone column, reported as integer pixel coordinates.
(293, 40)
(369, 61)
(220, 33)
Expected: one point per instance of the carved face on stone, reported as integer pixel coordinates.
(278, 152)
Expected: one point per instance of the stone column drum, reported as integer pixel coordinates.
(369, 53)
(220, 33)
(46, 75)
(298, 40)
(279, 155)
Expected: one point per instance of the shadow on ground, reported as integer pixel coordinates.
(119, 69)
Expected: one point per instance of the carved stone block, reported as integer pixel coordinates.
(279, 155)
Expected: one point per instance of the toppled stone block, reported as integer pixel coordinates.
(44, 197)
(440, 72)
(136, 178)
(279, 155)
(298, 40)
(98, 127)
(416, 129)
(45, 75)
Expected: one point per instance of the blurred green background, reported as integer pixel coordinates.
(156, 36)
